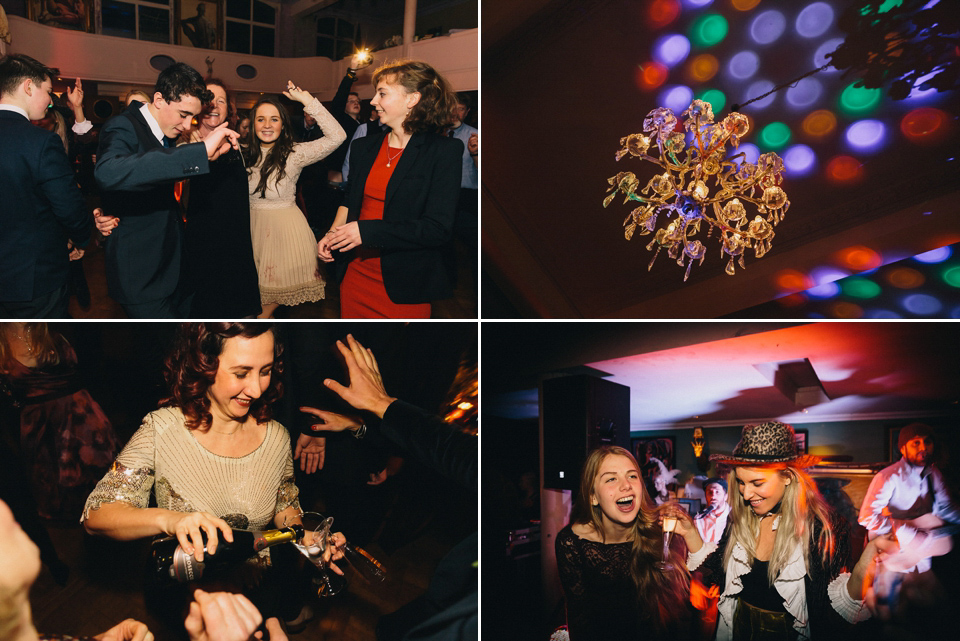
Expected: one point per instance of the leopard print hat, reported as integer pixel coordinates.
(771, 442)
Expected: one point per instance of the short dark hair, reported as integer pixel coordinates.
(16, 67)
(191, 368)
(463, 98)
(354, 93)
(179, 80)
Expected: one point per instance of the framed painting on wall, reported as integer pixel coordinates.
(65, 14)
(801, 437)
(199, 24)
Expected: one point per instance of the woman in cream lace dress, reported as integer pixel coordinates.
(284, 247)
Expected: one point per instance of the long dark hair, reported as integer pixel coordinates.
(276, 158)
(191, 367)
(663, 596)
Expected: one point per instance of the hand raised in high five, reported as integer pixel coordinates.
(75, 95)
(366, 391)
(220, 140)
(294, 92)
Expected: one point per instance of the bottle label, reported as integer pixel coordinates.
(184, 567)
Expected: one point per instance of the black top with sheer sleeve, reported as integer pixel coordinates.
(600, 593)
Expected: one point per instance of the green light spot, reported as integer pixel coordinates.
(860, 287)
(775, 135)
(716, 99)
(951, 276)
(859, 100)
(708, 30)
(883, 8)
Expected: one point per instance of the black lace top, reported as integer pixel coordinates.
(601, 596)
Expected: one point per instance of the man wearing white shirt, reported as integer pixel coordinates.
(713, 519)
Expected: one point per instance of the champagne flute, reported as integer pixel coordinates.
(669, 516)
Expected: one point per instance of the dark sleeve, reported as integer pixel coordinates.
(825, 622)
(434, 224)
(339, 103)
(59, 187)
(432, 441)
(570, 568)
(711, 570)
(122, 166)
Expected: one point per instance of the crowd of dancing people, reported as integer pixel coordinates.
(212, 461)
(207, 212)
(772, 559)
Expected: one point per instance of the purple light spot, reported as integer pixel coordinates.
(805, 93)
(814, 19)
(751, 150)
(881, 313)
(916, 92)
(767, 27)
(827, 290)
(820, 56)
(866, 135)
(799, 160)
(758, 88)
(935, 255)
(671, 50)
(921, 304)
(822, 275)
(743, 65)
(677, 98)
(698, 4)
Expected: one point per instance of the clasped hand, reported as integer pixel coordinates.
(343, 238)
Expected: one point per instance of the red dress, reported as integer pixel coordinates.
(362, 294)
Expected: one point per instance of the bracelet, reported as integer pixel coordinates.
(361, 431)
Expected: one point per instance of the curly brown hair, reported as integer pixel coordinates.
(191, 367)
(432, 111)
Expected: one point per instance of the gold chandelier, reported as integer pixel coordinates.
(704, 187)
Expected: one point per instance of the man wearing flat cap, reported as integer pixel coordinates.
(910, 500)
(713, 519)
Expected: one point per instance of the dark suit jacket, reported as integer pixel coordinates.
(136, 176)
(418, 214)
(40, 208)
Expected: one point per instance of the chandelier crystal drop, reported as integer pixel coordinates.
(705, 186)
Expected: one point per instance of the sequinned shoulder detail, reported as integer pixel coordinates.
(121, 484)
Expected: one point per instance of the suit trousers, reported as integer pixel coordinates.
(52, 305)
(162, 308)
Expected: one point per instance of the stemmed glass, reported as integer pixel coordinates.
(669, 516)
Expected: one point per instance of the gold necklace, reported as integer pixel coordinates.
(391, 159)
(28, 341)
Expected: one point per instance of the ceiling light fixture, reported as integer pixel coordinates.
(705, 186)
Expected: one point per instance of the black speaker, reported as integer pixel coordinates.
(580, 413)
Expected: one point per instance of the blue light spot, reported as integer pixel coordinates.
(799, 160)
(866, 135)
(820, 56)
(743, 65)
(814, 19)
(698, 4)
(816, 315)
(805, 93)
(767, 27)
(827, 290)
(916, 92)
(677, 98)
(751, 150)
(671, 50)
(955, 312)
(921, 304)
(756, 89)
(935, 255)
(881, 313)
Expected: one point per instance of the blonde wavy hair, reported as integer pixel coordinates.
(666, 592)
(800, 507)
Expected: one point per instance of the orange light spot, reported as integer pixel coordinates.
(819, 123)
(744, 5)
(791, 280)
(703, 67)
(651, 75)
(905, 278)
(663, 12)
(844, 309)
(844, 169)
(793, 300)
(859, 258)
(925, 125)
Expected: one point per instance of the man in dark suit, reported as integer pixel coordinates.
(138, 164)
(42, 207)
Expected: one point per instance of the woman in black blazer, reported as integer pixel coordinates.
(400, 203)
